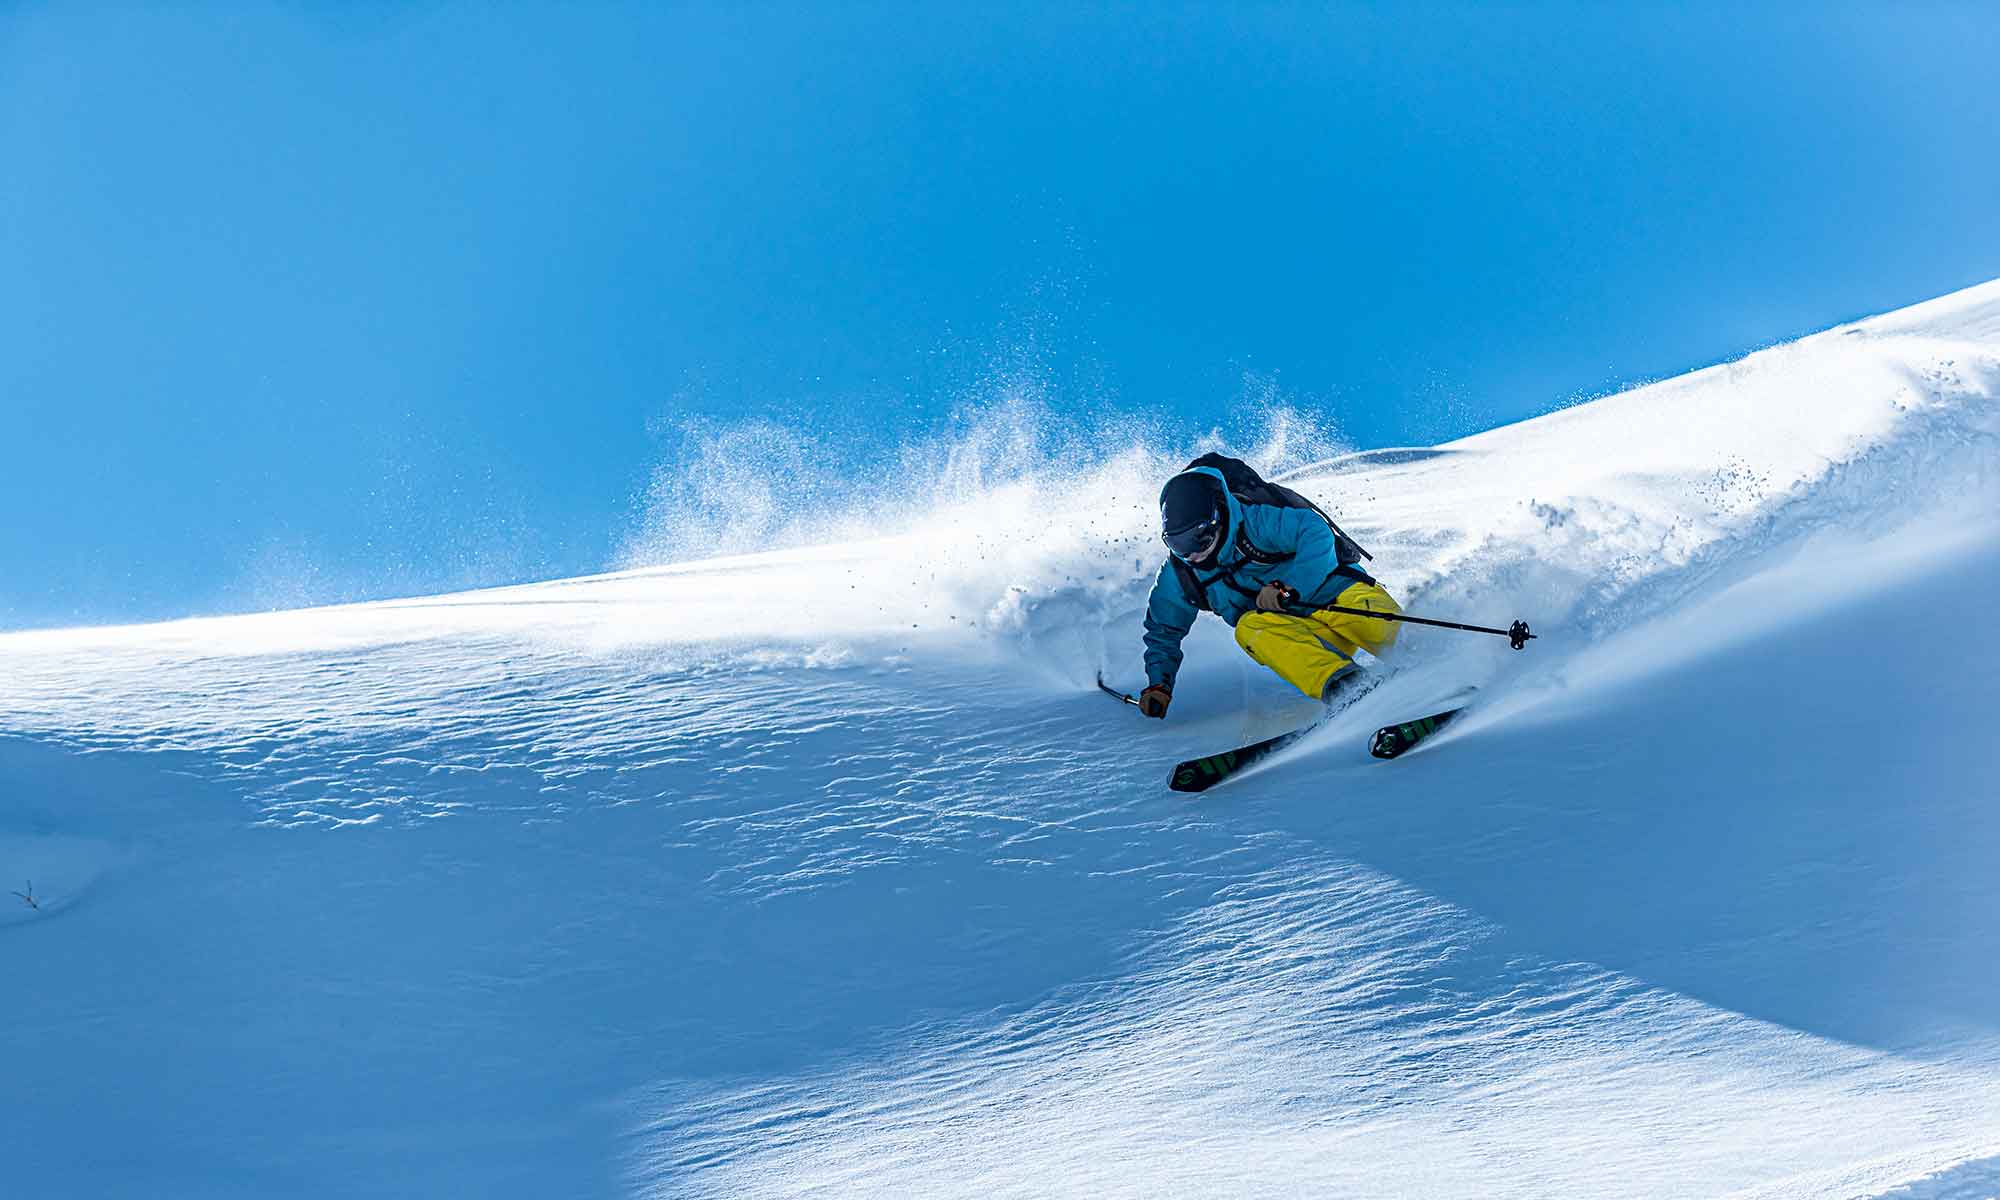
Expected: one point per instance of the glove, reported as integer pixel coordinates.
(1154, 700)
(1275, 596)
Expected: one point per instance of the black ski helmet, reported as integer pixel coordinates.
(1193, 513)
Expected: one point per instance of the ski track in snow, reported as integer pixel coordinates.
(823, 872)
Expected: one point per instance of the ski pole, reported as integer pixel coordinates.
(1114, 693)
(1517, 634)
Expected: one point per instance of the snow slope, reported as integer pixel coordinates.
(825, 871)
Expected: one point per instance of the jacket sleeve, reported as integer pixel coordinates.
(1169, 616)
(1301, 533)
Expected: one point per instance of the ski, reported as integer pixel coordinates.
(1201, 774)
(1392, 740)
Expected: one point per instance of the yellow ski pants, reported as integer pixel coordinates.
(1308, 652)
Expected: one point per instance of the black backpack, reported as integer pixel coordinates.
(1249, 487)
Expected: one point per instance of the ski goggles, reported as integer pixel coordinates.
(1196, 541)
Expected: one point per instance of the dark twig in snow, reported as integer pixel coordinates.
(28, 896)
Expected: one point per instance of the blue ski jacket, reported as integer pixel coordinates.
(1307, 562)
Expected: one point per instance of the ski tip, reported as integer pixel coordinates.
(1189, 777)
(1386, 743)
(1391, 741)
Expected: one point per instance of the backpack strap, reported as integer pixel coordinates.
(1250, 552)
(1353, 571)
(1190, 583)
(1196, 587)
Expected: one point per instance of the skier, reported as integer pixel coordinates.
(1261, 557)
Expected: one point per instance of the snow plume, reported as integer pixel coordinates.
(731, 489)
(1027, 520)
(1018, 457)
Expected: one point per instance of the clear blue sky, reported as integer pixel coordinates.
(320, 301)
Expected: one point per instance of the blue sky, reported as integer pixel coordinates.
(304, 302)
